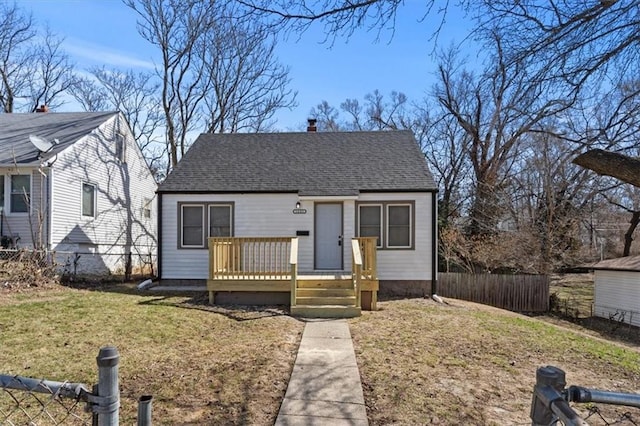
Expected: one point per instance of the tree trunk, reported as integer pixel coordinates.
(628, 236)
(619, 166)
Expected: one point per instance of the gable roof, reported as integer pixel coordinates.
(66, 127)
(628, 263)
(309, 163)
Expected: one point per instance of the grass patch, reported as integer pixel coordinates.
(463, 363)
(203, 365)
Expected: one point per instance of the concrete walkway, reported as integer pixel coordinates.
(324, 388)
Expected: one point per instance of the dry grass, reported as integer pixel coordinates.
(420, 362)
(203, 365)
(463, 363)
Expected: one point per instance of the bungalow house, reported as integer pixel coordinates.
(617, 289)
(76, 184)
(250, 206)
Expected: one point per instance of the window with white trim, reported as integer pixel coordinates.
(146, 207)
(20, 193)
(391, 222)
(88, 200)
(121, 148)
(193, 232)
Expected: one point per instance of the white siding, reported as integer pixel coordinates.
(401, 264)
(617, 293)
(21, 227)
(119, 226)
(271, 215)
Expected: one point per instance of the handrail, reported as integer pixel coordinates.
(356, 270)
(368, 251)
(249, 258)
(293, 261)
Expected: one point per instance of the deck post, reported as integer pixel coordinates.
(212, 297)
(293, 261)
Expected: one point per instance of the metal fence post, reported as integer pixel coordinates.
(144, 410)
(108, 404)
(553, 378)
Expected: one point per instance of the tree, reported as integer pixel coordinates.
(16, 33)
(572, 41)
(136, 96)
(177, 29)
(217, 69)
(495, 110)
(51, 75)
(248, 84)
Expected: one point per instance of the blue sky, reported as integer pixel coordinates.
(103, 32)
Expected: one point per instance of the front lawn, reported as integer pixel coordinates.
(464, 363)
(202, 365)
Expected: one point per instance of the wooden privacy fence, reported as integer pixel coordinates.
(518, 293)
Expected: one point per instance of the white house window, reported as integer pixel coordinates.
(199, 221)
(192, 225)
(88, 200)
(391, 222)
(20, 193)
(399, 225)
(146, 208)
(121, 147)
(1, 192)
(220, 220)
(371, 222)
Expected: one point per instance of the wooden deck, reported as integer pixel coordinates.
(270, 264)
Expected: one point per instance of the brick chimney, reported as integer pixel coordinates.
(312, 125)
(42, 108)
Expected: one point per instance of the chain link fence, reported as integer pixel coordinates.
(39, 402)
(551, 402)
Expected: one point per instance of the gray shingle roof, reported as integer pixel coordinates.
(309, 163)
(66, 127)
(629, 263)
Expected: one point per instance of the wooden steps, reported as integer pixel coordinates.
(325, 298)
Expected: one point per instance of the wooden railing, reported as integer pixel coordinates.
(256, 258)
(356, 270)
(368, 251)
(293, 262)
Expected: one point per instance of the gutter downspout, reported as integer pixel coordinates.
(434, 243)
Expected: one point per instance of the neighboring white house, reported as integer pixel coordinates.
(617, 289)
(323, 187)
(77, 184)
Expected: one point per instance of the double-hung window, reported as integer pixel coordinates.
(192, 225)
(390, 222)
(399, 225)
(371, 221)
(20, 193)
(199, 221)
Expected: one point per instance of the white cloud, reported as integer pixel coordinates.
(102, 55)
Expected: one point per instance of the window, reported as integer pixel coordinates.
(391, 222)
(218, 218)
(121, 147)
(88, 200)
(146, 208)
(20, 193)
(399, 225)
(371, 222)
(192, 226)
(1, 192)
